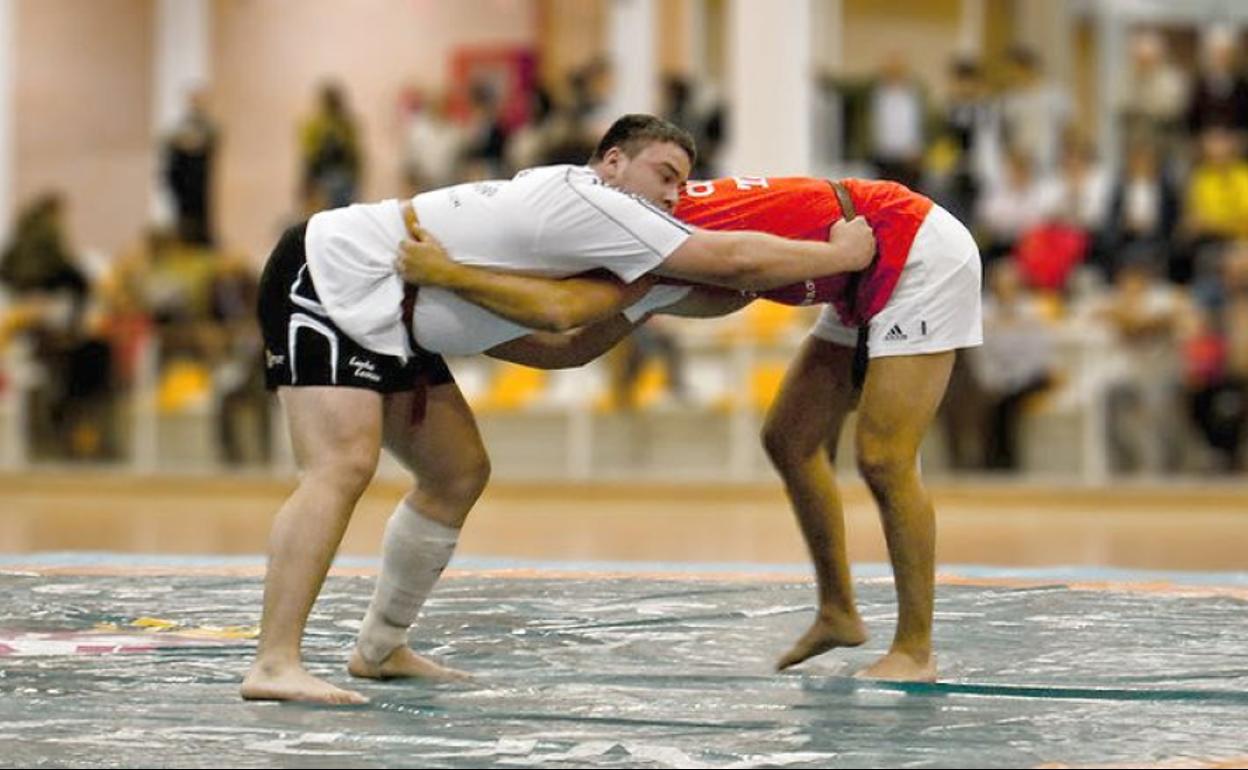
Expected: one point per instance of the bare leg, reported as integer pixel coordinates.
(899, 400)
(445, 453)
(808, 413)
(336, 434)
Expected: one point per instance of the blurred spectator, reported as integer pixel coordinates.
(1217, 402)
(1156, 101)
(38, 259)
(243, 404)
(897, 122)
(589, 95)
(1217, 204)
(1015, 362)
(486, 139)
(1216, 361)
(188, 161)
(567, 140)
(1146, 318)
(680, 106)
(432, 143)
(1037, 110)
(1219, 97)
(1013, 204)
(331, 155)
(1081, 187)
(1143, 209)
(971, 126)
(650, 341)
(1075, 200)
(71, 409)
(527, 144)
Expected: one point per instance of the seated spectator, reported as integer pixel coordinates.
(1146, 318)
(71, 411)
(1013, 203)
(1217, 204)
(1015, 362)
(1143, 209)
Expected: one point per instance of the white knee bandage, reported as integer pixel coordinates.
(414, 552)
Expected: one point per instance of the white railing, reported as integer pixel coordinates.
(563, 435)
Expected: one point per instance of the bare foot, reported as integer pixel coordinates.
(403, 663)
(293, 683)
(900, 667)
(828, 632)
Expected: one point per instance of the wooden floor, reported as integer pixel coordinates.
(1177, 526)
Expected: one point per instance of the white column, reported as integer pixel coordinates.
(633, 67)
(1112, 58)
(1047, 27)
(699, 57)
(8, 114)
(971, 28)
(182, 63)
(827, 35)
(770, 87)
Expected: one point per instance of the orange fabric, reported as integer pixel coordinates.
(804, 208)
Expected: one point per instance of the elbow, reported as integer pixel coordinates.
(555, 317)
(563, 320)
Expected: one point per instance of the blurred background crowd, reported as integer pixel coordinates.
(1096, 149)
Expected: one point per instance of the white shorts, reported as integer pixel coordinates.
(936, 304)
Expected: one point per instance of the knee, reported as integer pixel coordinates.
(458, 489)
(788, 449)
(347, 473)
(779, 445)
(882, 462)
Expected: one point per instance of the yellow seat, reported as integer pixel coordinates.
(512, 387)
(765, 382)
(183, 385)
(768, 321)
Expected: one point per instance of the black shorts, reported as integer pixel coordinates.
(302, 346)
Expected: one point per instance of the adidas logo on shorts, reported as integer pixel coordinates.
(895, 334)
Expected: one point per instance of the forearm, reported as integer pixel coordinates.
(769, 262)
(544, 350)
(753, 261)
(546, 304)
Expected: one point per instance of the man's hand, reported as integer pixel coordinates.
(856, 239)
(423, 261)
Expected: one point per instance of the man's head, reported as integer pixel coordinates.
(646, 156)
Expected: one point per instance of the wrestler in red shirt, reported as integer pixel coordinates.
(918, 303)
(805, 208)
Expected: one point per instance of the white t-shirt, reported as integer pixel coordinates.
(552, 221)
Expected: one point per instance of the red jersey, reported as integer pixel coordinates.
(804, 208)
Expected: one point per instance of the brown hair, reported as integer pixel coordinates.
(632, 133)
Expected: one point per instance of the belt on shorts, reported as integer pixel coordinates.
(409, 289)
(861, 358)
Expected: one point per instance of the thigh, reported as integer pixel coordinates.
(900, 398)
(815, 396)
(331, 425)
(432, 431)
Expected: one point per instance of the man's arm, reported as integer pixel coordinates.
(546, 304)
(544, 350)
(567, 351)
(707, 302)
(757, 261)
